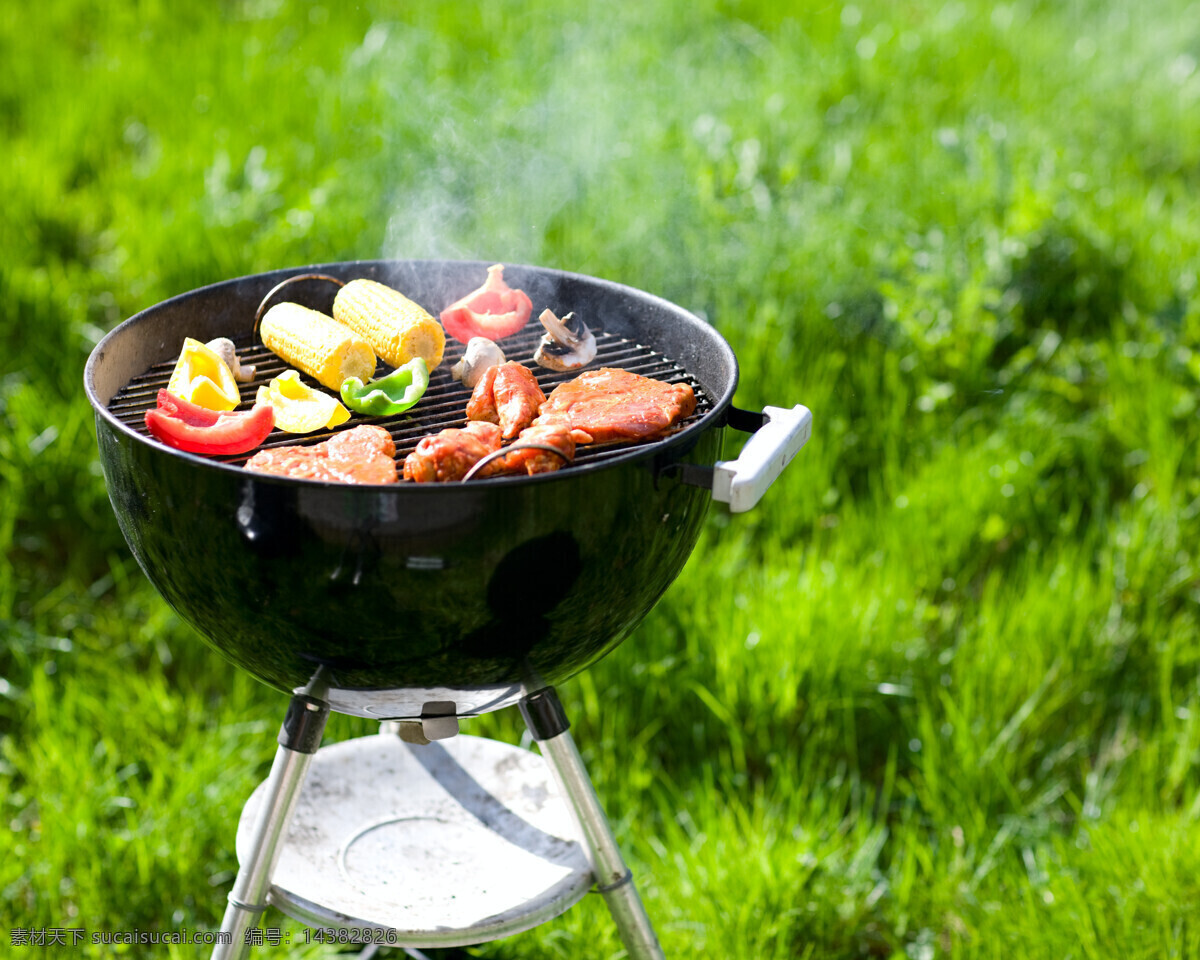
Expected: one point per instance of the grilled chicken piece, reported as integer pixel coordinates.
(508, 395)
(362, 454)
(608, 404)
(533, 460)
(448, 455)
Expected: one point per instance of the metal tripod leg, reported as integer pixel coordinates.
(547, 722)
(298, 741)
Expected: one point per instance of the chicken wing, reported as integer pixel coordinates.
(533, 460)
(448, 455)
(507, 395)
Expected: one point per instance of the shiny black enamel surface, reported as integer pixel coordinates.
(398, 595)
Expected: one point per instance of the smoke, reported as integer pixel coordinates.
(488, 197)
(519, 159)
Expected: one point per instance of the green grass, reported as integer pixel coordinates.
(937, 696)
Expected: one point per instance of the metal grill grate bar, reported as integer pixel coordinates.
(445, 400)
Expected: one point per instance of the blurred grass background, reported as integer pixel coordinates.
(937, 696)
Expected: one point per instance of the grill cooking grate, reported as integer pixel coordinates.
(444, 403)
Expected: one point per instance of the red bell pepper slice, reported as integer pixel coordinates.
(493, 311)
(196, 429)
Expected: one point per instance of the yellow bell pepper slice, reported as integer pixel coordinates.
(203, 378)
(298, 407)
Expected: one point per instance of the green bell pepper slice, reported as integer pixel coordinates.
(388, 395)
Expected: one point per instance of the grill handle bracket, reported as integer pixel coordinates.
(778, 435)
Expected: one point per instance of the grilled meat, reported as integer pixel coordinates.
(362, 454)
(509, 395)
(608, 404)
(448, 455)
(532, 460)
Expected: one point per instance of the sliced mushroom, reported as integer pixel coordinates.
(567, 345)
(480, 354)
(223, 348)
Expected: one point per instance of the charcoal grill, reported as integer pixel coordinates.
(422, 604)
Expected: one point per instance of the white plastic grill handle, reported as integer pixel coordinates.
(742, 482)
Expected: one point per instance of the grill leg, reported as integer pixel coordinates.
(298, 741)
(547, 722)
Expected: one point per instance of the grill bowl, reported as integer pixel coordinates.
(391, 597)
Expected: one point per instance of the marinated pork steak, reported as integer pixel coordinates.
(360, 455)
(610, 404)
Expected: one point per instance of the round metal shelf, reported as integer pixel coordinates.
(451, 843)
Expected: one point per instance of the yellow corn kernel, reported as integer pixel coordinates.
(326, 350)
(398, 329)
(203, 378)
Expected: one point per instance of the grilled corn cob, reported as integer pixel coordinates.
(397, 329)
(317, 344)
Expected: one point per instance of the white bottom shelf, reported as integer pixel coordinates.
(457, 842)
